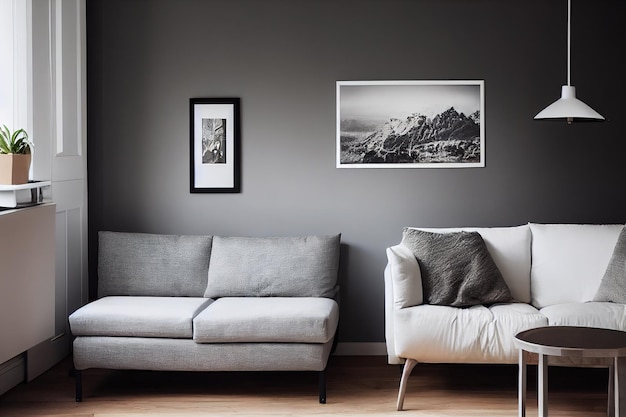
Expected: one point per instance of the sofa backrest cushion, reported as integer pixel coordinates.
(569, 261)
(273, 266)
(152, 265)
(509, 248)
(457, 269)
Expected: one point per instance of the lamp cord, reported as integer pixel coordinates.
(569, 36)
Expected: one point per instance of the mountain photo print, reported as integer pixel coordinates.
(410, 124)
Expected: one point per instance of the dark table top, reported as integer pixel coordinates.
(573, 341)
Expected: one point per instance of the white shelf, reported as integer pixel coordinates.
(22, 195)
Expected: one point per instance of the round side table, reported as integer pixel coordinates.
(571, 341)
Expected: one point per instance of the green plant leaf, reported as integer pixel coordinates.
(16, 142)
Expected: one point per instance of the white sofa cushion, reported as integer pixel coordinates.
(267, 319)
(595, 314)
(569, 261)
(510, 249)
(406, 276)
(457, 269)
(132, 316)
(478, 334)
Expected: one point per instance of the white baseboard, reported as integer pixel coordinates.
(11, 373)
(361, 349)
(46, 354)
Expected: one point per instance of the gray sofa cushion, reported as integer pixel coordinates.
(276, 319)
(273, 266)
(186, 355)
(613, 285)
(169, 317)
(152, 265)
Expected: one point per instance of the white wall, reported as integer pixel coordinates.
(48, 98)
(6, 71)
(14, 71)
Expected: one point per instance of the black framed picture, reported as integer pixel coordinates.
(214, 145)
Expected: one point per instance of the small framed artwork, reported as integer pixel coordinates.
(214, 145)
(410, 124)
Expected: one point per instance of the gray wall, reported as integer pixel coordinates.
(283, 57)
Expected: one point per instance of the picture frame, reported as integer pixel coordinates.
(410, 124)
(215, 145)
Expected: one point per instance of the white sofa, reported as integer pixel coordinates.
(210, 303)
(554, 273)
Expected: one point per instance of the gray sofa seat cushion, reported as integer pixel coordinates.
(273, 266)
(267, 319)
(152, 265)
(169, 317)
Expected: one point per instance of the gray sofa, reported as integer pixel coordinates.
(210, 303)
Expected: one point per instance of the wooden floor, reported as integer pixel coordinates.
(357, 386)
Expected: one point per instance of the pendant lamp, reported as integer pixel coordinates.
(568, 107)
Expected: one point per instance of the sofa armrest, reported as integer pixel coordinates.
(403, 288)
(392, 357)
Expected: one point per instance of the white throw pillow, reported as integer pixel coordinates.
(569, 261)
(406, 277)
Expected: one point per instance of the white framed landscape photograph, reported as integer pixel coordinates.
(410, 124)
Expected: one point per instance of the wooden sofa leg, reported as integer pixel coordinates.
(79, 385)
(408, 367)
(322, 386)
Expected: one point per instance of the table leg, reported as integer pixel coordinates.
(611, 403)
(542, 388)
(619, 382)
(521, 385)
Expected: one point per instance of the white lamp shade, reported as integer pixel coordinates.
(569, 107)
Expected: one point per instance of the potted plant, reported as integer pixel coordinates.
(15, 156)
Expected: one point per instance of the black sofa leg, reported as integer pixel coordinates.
(322, 386)
(79, 385)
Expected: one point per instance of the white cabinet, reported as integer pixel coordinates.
(27, 278)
